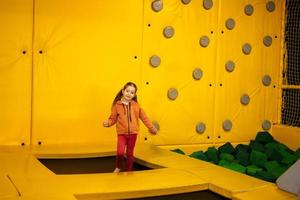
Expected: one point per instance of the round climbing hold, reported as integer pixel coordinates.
(227, 125)
(172, 93)
(267, 41)
(168, 31)
(197, 74)
(156, 125)
(266, 125)
(207, 4)
(185, 1)
(229, 66)
(270, 6)
(230, 24)
(266, 80)
(246, 49)
(204, 41)
(245, 99)
(200, 128)
(248, 10)
(154, 61)
(157, 5)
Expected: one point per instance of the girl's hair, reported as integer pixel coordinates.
(120, 94)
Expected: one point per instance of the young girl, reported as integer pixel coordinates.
(126, 113)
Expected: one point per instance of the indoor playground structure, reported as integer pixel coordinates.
(219, 79)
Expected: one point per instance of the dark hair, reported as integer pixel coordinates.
(120, 94)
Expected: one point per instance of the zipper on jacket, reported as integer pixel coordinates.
(128, 117)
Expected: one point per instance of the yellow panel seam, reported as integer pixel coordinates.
(216, 71)
(19, 193)
(32, 72)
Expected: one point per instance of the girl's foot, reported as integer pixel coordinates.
(117, 170)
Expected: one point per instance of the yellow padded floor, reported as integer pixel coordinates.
(227, 182)
(268, 192)
(7, 188)
(24, 177)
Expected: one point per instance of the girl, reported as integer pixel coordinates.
(126, 113)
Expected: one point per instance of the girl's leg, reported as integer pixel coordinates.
(129, 151)
(120, 151)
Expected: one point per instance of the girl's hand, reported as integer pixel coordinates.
(153, 131)
(105, 123)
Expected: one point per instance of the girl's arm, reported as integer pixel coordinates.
(147, 122)
(113, 116)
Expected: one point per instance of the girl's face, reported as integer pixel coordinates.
(129, 93)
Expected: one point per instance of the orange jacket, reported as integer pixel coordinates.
(126, 118)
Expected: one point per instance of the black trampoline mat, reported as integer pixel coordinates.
(86, 165)
(107, 165)
(202, 195)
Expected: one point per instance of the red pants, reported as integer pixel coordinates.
(128, 141)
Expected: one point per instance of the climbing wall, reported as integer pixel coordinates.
(207, 70)
(248, 68)
(178, 72)
(215, 70)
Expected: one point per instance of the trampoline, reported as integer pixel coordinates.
(85, 165)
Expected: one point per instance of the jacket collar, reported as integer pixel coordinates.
(131, 102)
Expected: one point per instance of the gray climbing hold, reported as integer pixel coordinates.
(207, 4)
(197, 74)
(204, 41)
(229, 66)
(267, 41)
(245, 99)
(230, 24)
(156, 125)
(270, 6)
(248, 10)
(168, 31)
(247, 49)
(157, 5)
(266, 125)
(172, 93)
(266, 80)
(185, 1)
(154, 61)
(200, 128)
(227, 125)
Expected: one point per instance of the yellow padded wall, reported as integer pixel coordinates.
(15, 71)
(180, 55)
(215, 98)
(83, 54)
(247, 76)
